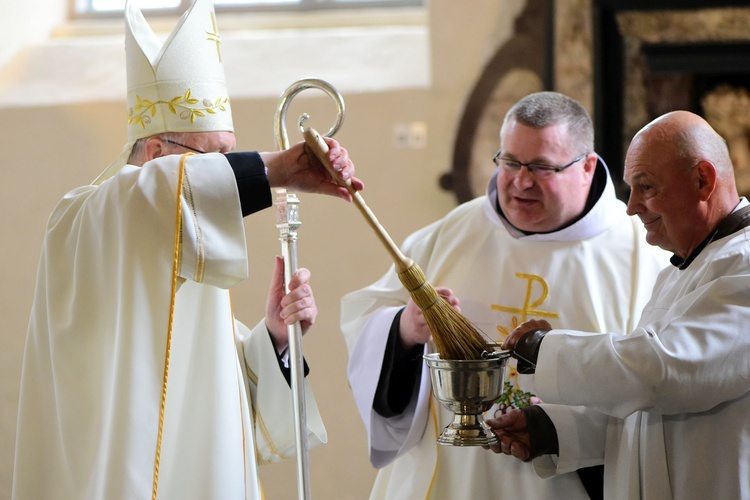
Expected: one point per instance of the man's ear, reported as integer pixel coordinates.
(154, 148)
(706, 179)
(589, 165)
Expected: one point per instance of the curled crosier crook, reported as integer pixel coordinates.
(282, 139)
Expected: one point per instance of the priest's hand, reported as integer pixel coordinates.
(524, 343)
(286, 309)
(298, 169)
(512, 431)
(527, 326)
(412, 325)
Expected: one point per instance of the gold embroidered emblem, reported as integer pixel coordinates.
(513, 396)
(529, 306)
(145, 109)
(213, 36)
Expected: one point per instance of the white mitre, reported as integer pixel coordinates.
(177, 86)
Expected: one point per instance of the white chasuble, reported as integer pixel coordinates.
(596, 273)
(94, 365)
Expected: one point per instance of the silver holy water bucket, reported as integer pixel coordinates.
(468, 388)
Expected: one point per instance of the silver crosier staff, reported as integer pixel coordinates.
(288, 222)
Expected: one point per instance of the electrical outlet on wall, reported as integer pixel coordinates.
(411, 135)
(418, 135)
(400, 136)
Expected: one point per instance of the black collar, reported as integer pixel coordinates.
(739, 219)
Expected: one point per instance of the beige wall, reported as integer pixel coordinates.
(29, 21)
(49, 150)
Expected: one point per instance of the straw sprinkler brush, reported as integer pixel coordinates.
(454, 336)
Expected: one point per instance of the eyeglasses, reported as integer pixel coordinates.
(538, 170)
(170, 141)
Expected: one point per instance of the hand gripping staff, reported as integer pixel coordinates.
(287, 222)
(454, 336)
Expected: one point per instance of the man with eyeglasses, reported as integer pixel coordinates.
(138, 381)
(668, 404)
(549, 240)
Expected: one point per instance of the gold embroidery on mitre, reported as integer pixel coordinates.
(145, 109)
(213, 35)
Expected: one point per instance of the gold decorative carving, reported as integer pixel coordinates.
(574, 62)
(684, 26)
(727, 109)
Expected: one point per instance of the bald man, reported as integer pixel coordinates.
(670, 402)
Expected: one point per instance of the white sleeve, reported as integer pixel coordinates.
(581, 437)
(686, 357)
(271, 399)
(213, 243)
(388, 437)
(366, 318)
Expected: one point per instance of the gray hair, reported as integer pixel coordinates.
(139, 147)
(543, 109)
